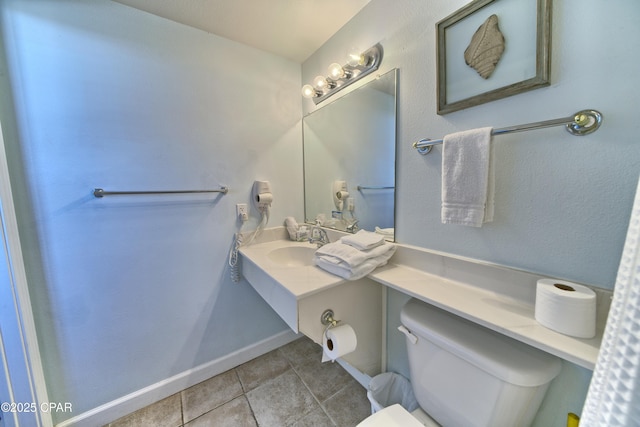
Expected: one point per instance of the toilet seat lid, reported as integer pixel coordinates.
(392, 416)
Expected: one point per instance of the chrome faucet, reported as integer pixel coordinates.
(353, 227)
(318, 235)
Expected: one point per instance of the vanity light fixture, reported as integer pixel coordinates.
(340, 76)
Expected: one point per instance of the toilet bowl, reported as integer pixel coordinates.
(465, 375)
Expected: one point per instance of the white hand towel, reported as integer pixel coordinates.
(363, 240)
(350, 256)
(355, 273)
(380, 256)
(467, 178)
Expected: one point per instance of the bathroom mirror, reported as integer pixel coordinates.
(350, 143)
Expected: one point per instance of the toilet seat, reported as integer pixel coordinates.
(392, 416)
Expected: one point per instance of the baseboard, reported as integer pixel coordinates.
(120, 407)
(357, 375)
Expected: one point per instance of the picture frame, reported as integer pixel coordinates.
(524, 64)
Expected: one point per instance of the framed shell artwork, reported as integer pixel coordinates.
(491, 49)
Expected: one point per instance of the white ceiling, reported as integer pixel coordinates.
(293, 29)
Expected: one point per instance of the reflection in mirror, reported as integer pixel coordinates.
(349, 159)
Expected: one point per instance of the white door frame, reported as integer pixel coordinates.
(19, 351)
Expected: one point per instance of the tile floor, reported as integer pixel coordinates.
(286, 387)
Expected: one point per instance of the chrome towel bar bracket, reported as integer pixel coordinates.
(581, 123)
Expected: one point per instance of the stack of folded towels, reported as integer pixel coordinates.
(354, 256)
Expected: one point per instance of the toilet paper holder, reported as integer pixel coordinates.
(328, 320)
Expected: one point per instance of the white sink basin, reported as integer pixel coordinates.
(293, 256)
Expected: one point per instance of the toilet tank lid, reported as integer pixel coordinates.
(501, 356)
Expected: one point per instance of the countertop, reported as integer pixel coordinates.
(497, 297)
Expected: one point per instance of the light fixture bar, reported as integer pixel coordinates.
(352, 73)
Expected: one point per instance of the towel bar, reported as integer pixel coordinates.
(99, 192)
(581, 123)
(362, 187)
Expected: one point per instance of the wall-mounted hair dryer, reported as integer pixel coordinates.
(340, 194)
(261, 195)
(261, 198)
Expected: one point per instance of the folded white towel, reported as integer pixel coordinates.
(354, 273)
(467, 178)
(349, 256)
(363, 240)
(382, 256)
(388, 233)
(385, 231)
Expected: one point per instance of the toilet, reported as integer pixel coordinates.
(465, 375)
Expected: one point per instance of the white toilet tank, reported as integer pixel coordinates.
(469, 376)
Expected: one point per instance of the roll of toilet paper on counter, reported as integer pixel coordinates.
(337, 342)
(565, 307)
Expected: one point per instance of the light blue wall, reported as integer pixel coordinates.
(562, 202)
(129, 291)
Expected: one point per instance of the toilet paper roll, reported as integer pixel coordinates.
(337, 342)
(264, 198)
(565, 307)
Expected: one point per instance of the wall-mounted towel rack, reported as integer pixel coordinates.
(99, 192)
(362, 187)
(581, 123)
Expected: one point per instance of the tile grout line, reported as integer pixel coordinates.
(295, 371)
(312, 395)
(320, 403)
(244, 395)
(181, 408)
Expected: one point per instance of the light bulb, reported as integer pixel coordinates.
(337, 72)
(355, 58)
(320, 83)
(309, 91)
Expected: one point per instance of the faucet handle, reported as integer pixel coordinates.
(318, 235)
